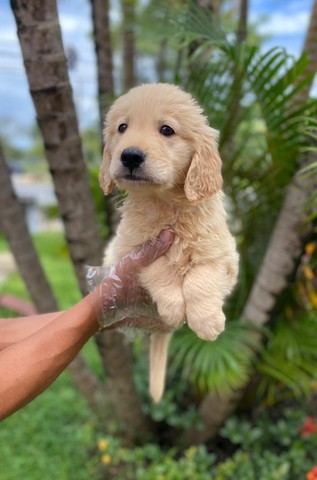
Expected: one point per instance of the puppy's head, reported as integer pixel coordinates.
(157, 138)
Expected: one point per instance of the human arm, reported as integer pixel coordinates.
(30, 365)
(13, 330)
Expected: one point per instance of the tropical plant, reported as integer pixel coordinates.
(264, 447)
(252, 97)
(219, 366)
(289, 362)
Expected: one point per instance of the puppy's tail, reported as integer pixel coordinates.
(158, 361)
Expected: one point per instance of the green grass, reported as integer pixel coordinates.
(54, 437)
(3, 244)
(53, 252)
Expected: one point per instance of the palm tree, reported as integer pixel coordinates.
(242, 20)
(291, 228)
(128, 44)
(14, 227)
(46, 68)
(103, 48)
(115, 353)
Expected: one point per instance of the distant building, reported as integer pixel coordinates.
(36, 196)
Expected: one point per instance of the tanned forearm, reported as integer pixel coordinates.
(32, 364)
(13, 330)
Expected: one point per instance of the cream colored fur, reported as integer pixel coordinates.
(178, 187)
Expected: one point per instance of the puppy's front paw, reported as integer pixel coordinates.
(207, 328)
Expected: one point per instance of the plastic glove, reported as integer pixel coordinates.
(116, 292)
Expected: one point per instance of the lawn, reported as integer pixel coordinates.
(52, 249)
(54, 437)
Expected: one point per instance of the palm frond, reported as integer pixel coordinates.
(216, 366)
(251, 97)
(195, 24)
(289, 362)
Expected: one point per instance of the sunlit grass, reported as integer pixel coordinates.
(54, 256)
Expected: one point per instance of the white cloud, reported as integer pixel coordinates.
(70, 23)
(285, 24)
(7, 34)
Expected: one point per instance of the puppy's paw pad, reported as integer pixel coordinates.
(208, 328)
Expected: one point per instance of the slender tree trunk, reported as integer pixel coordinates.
(242, 20)
(14, 227)
(115, 354)
(128, 43)
(40, 38)
(161, 60)
(234, 107)
(46, 67)
(310, 47)
(283, 252)
(121, 388)
(103, 48)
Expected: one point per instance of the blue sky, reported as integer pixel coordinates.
(286, 23)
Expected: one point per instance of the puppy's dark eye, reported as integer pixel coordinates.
(166, 130)
(122, 127)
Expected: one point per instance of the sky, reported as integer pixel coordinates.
(284, 22)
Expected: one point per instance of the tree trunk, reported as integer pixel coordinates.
(128, 43)
(103, 48)
(121, 389)
(116, 355)
(40, 38)
(46, 67)
(310, 47)
(14, 227)
(283, 252)
(161, 61)
(226, 142)
(242, 20)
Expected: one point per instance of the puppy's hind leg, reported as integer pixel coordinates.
(158, 361)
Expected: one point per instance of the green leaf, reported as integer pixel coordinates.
(219, 365)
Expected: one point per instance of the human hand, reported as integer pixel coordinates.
(116, 292)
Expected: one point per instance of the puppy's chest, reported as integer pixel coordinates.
(191, 242)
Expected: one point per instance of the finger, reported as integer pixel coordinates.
(154, 248)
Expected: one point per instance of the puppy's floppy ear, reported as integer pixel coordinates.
(104, 173)
(204, 178)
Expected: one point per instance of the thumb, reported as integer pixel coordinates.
(154, 248)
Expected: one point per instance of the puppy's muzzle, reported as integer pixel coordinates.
(132, 158)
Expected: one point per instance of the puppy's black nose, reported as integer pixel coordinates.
(132, 158)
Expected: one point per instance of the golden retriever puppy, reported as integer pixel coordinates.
(160, 149)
